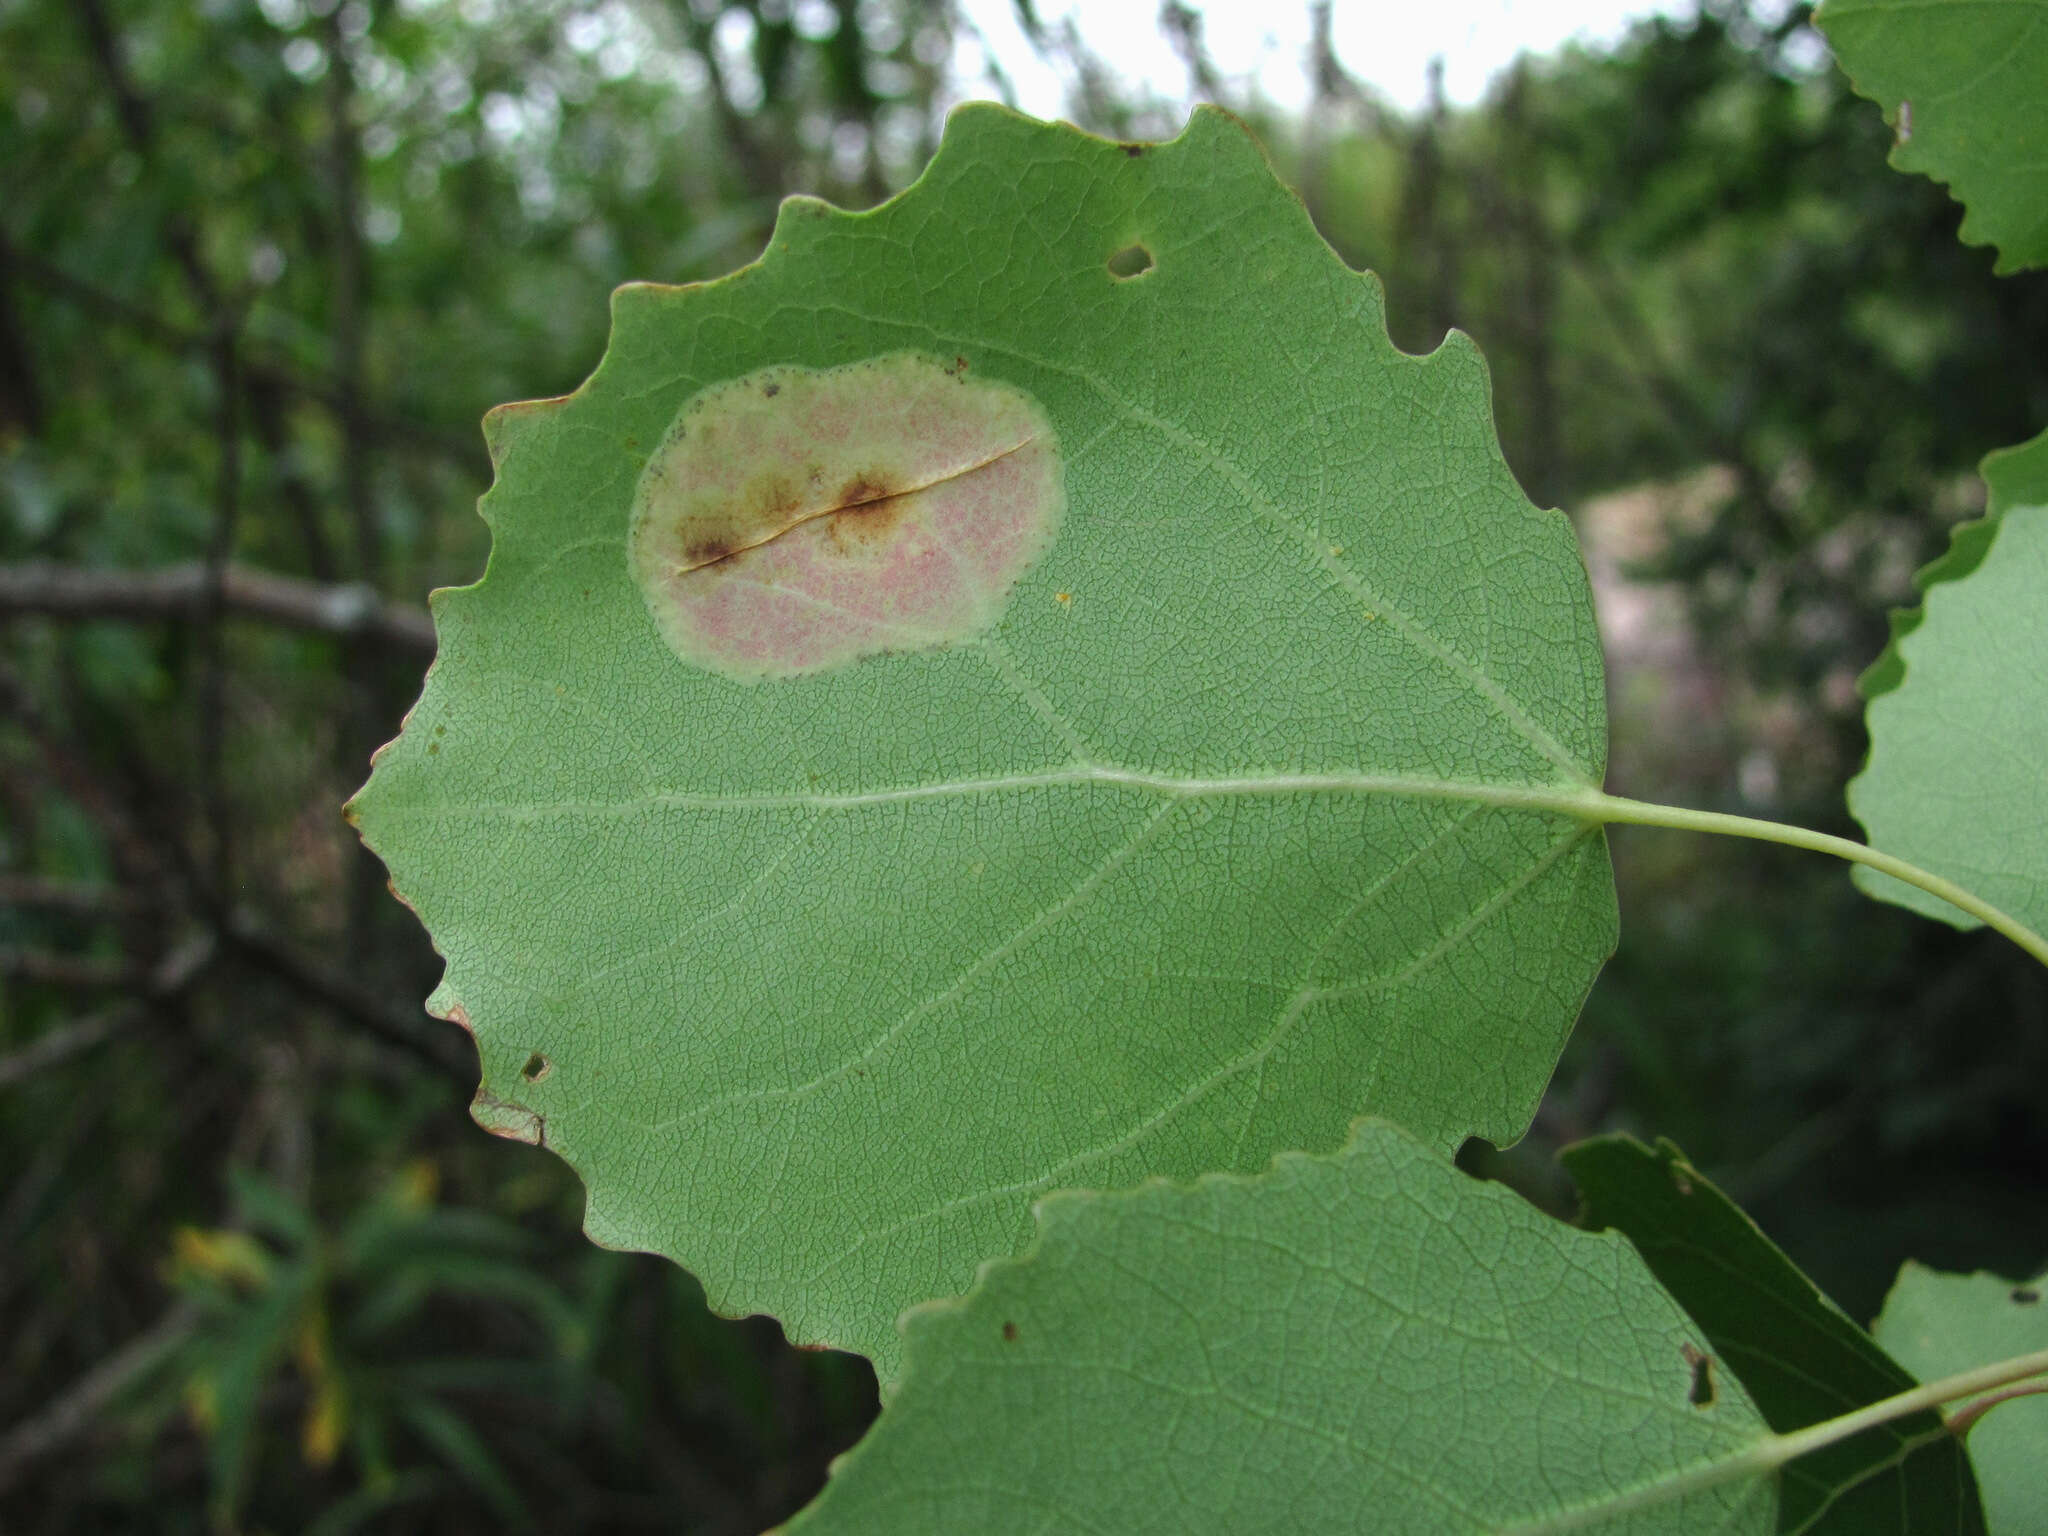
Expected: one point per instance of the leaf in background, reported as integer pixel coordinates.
(1221, 826)
(1957, 780)
(1938, 1324)
(2013, 477)
(1800, 1358)
(1367, 1340)
(1963, 85)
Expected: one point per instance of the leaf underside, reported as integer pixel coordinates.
(1801, 1360)
(1962, 83)
(1191, 856)
(1957, 780)
(1364, 1341)
(2013, 477)
(1938, 1324)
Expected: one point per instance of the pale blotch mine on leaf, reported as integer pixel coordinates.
(797, 519)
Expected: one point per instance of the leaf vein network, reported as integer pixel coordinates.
(1411, 629)
(1078, 894)
(1186, 1099)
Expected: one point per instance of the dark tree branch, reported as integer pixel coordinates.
(1182, 25)
(266, 420)
(166, 872)
(223, 320)
(349, 283)
(81, 973)
(1331, 81)
(74, 1411)
(1421, 231)
(138, 123)
(758, 169)
(410, 1029)
(21, 395)
(350, 291)
(1339, 99)
(143, 861)
(259, 376)
(170, 977)
(349, 610)
(66, 1041)
(130, 107)
(1661, 380)
(78, 898)
(227, 516)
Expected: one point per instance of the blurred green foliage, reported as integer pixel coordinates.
(263, 266)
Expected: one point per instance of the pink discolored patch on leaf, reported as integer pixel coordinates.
(798, 519)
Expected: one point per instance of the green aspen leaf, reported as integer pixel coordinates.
(1939, 1324)
(1957, 780)
(1800, 1359)
(1360, 1341)
(1961, 82)
(944, 721)
(2012, 477)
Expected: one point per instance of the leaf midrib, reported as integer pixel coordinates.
(1562, 798)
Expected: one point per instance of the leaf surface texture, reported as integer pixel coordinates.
(1938, 1324)
(1215, 836)
(1799, 1357)
(1367, 1341)
(1962, 82)
(1957, 780)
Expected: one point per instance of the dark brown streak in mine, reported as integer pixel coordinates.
(869, 510)
(866, 510)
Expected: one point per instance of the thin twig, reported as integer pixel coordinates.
(138, 123)
(152, 864)
(763, 177)
(170, 977)
(76, 898)
(349, 287)
(21, 393)
(260, 375)
(410, 1029)
(79, 973)
(180, 592)
(73, 1412)
(227, 516)
(66, 1041)
(1182, 25)
(286, 472)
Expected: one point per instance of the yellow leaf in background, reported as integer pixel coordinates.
(202, 1402)
(327, 1411)
(235, 1257)
(326, 1423)
(418, 1182)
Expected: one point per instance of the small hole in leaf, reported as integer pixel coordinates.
(1009, 1333)
(1131, 261)
(537, 1067)
(1702, 1392)
(2025, 1295)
